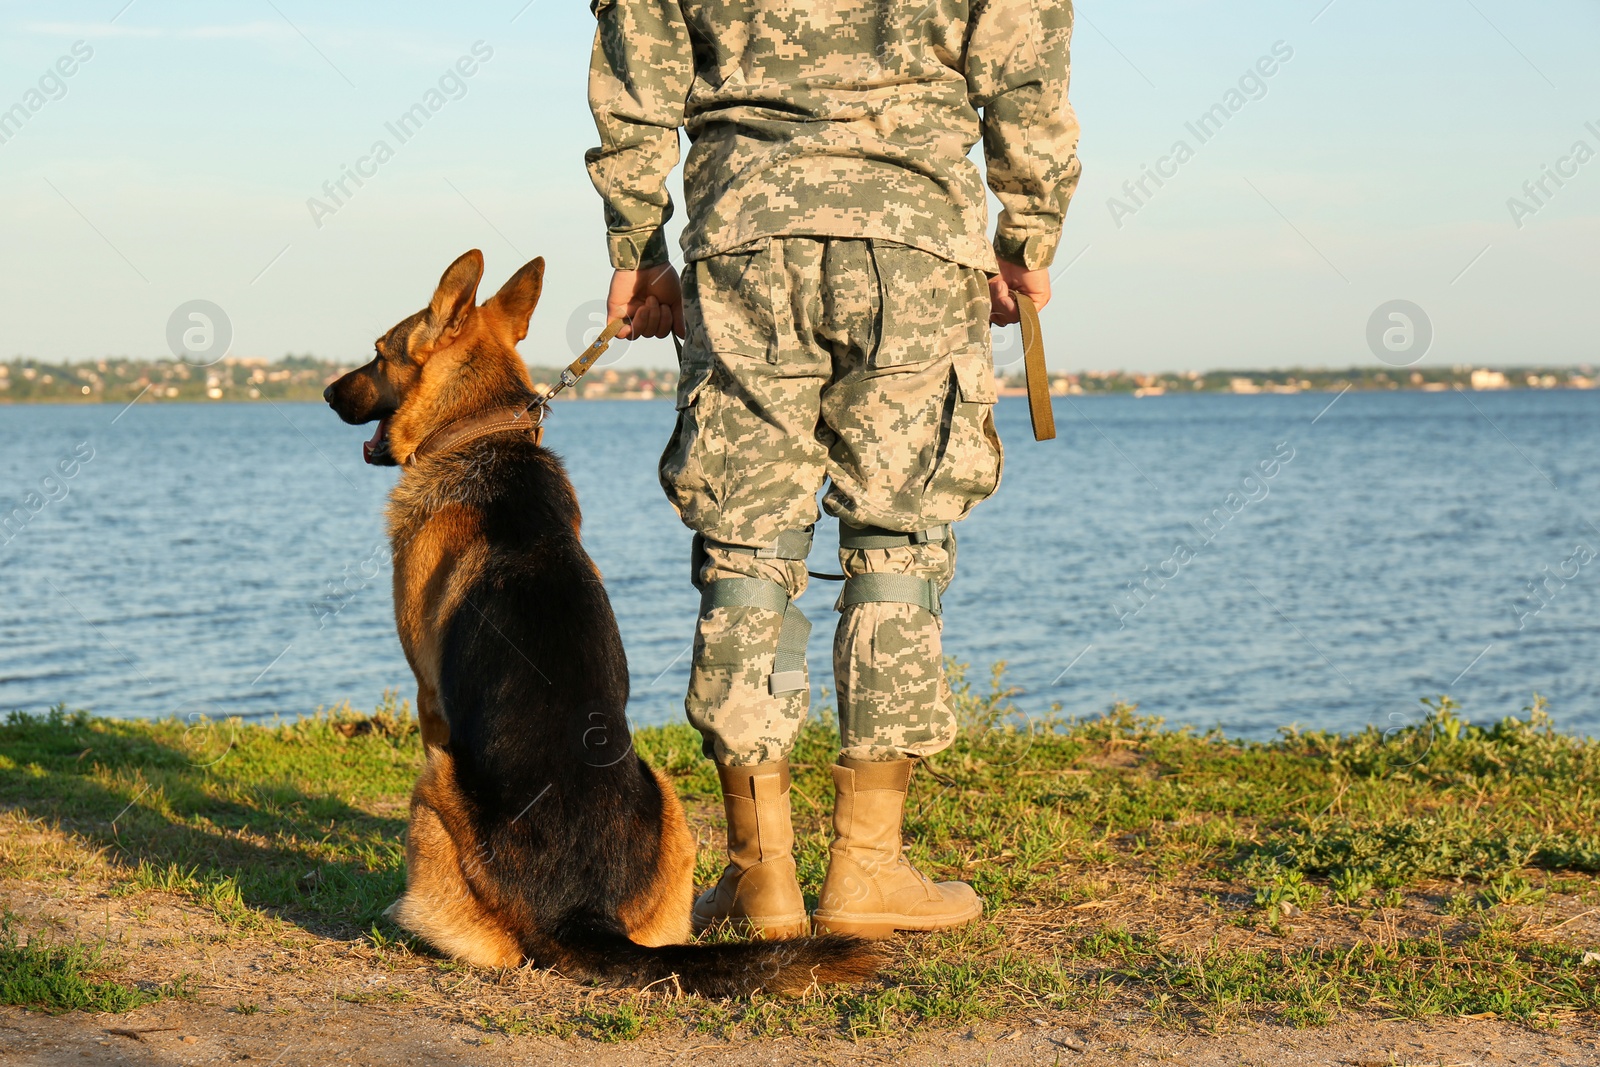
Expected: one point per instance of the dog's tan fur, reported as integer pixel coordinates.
(440, 905)
(660, 915)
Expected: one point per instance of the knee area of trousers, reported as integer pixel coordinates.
(716, 564)
(735, 636)
(931, 561)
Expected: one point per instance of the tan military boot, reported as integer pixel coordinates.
(758, 891)
(870, 890)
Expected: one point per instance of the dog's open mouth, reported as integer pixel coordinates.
(376, 449)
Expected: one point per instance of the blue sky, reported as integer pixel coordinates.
(1376, 163)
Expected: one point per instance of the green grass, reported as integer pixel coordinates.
(57, 976)
(244, 819)
(1198, 878)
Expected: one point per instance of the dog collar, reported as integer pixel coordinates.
(528, 417)
(455, 434)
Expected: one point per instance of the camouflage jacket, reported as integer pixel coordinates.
(835, 117)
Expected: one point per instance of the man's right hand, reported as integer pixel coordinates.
(1012, 279)
(650, 299)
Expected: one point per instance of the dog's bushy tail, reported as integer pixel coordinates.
(727, 969)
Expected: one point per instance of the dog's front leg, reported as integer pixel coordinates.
(435, 727)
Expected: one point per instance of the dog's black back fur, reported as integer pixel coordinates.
(535, 683)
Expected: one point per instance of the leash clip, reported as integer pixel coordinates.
(540, 406)
(580, 366)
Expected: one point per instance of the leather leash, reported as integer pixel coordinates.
(526, 417)
(1039, 409)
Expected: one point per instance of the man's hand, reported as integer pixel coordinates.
(649, 298)
(1014, 278)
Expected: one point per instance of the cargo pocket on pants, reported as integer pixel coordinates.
(923, 306)
(969, 460)
(735, 303)
(692, 465)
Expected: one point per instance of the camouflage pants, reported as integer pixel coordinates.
(865, 364)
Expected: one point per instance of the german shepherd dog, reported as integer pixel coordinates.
(537, 833)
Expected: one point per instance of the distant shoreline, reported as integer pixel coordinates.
(302, 378)
(1008, 391)
(92, 401)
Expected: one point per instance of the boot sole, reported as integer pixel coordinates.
(880, 927)
(780, 928)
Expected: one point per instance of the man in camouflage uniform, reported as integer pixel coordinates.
(837, 295)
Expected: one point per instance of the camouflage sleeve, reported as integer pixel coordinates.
(1017, 67)
(639, 76)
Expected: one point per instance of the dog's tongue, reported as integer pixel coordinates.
(378, 435)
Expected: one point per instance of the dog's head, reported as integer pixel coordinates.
(415, 381)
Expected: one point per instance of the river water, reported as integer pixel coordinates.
(1250, 562)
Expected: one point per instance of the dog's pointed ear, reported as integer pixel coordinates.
(457, 294)
(518, 296)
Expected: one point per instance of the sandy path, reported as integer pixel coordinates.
(330, 1032)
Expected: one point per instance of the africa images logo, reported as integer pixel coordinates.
(51, 86)
(452, 85)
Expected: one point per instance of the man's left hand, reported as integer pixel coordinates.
(1012, 279)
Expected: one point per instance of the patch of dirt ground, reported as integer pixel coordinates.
(278, 993)
(326, 1031)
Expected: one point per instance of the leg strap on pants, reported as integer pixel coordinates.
(789, 664)
(878, 587)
